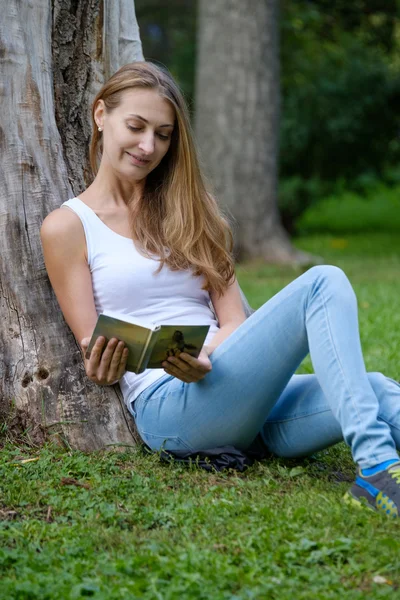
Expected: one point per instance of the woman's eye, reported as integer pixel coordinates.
(160, 135)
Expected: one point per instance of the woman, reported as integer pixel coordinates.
(146, 239)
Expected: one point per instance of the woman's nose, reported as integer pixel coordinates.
(147, 143)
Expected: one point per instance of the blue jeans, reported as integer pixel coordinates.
(252, 387)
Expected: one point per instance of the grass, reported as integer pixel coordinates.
(123, 526)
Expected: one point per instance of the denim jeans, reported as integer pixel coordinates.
(252, 387)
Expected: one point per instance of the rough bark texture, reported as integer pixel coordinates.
(77, 58)
(237, 120)
(121, 32)
(41, 370)
(91, 39)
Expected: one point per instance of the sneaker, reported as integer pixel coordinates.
(380, 492)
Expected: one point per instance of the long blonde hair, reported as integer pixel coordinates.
(176, 219)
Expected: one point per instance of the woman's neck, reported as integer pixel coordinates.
(108, 190)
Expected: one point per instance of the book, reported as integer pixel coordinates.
(149, 344)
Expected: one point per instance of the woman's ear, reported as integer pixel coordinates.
(98, 114)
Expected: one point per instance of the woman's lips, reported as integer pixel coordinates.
(140, 162)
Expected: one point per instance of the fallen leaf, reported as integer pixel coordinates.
(8, 514)
(380, 579)
(72, 481)
(220, 546)
(339, 243)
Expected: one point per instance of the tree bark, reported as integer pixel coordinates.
(53, 59)
(237, 121)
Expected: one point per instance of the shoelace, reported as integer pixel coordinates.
(395, 473)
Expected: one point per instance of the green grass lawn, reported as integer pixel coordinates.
(123, 526)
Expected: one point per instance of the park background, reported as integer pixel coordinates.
(340, 105)
(121, 525)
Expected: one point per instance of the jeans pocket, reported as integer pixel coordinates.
(146, 395)
(172, 443)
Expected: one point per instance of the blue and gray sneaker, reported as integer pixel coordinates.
(380, 491)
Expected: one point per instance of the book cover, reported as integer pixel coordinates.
(174, 339)
(149, 345)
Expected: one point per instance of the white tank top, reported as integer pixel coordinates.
(123, 280)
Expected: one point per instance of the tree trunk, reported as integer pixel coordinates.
(237, 120)
(53, 57)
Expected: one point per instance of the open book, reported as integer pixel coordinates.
(149, 344)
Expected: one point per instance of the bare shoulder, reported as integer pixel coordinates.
(62, 224)
(63, 228)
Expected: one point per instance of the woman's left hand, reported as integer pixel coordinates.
(187, 368)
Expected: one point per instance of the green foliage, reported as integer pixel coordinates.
(341, 97)
(377, 209)
(296, 194)
(342, 118)
(373, 20)
(114, 526)
(321, 205)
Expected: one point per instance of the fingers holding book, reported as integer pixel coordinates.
(187, 368)
(107, 362)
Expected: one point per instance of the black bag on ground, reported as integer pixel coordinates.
(220, 458)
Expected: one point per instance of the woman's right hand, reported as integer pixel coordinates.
(105, 368)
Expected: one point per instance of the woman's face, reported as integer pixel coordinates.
(136, 134)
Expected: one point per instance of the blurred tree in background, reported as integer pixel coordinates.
(340, 83)
(237, 122)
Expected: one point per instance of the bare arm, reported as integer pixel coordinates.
(64, 249)
(230, 314)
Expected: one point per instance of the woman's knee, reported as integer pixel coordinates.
(327, 272)
(377, 380)
(334, 279)
(383, 386)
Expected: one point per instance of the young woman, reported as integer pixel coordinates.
(146, 239)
